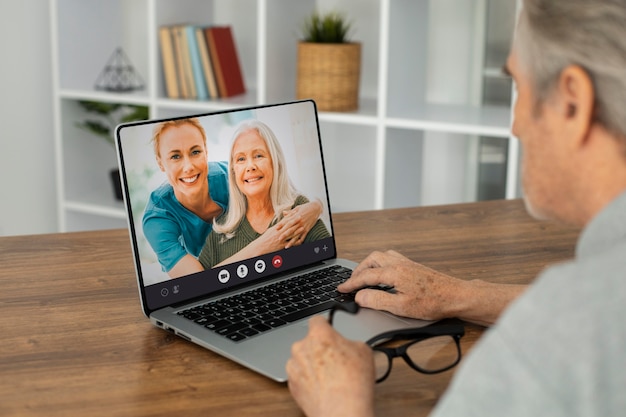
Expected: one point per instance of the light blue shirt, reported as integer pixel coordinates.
(560, 349)
(171, 229)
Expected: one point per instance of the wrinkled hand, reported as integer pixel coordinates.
(298, 222)
(420, 292)
(273, 239)
(290, 231)
(330, 375)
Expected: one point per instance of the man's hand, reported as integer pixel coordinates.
(423, 293)
(419, 292)
(330, 375)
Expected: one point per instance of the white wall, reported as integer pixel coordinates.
(28, 202)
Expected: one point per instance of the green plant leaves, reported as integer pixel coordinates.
(109, 115)
(328, 28)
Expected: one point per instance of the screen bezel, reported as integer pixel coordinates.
(149, 294)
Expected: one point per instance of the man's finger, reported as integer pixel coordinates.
(377, 300)
(369, 277)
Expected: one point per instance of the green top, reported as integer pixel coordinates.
(215, 251)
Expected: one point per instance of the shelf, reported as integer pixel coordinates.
(138, 97)
(96, 208)
(495, 72)
(366, 114)
(79, 220)
(203, 106)
(485, 121)
(428, 70)
(98, 200)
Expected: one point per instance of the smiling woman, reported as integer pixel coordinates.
(253, 173)
(263, 202)
(180, 213)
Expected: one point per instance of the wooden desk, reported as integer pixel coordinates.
(74, 341)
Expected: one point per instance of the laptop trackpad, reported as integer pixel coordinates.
(368, 323)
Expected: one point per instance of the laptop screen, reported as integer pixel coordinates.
(225, 199)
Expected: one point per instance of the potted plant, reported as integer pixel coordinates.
(107, 117)
(329, 64)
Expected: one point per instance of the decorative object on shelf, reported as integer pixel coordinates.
(109, 115)
(118, 75)
(329, 65)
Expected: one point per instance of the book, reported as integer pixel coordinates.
(196, 64)
(207, 66)
(184, 46)
(185, 70)
(168, 60)
(177, 43)
(225, 61)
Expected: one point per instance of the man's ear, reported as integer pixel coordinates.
(576, 101)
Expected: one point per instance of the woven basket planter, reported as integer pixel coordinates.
(329, 73)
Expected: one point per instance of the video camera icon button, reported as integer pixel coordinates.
(223, 276)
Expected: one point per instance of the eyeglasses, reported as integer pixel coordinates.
(430, 350)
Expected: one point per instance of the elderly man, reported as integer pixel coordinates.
(558, 349)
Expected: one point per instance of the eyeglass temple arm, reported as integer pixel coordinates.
(418, 333)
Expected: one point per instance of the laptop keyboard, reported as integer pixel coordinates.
(256, 311)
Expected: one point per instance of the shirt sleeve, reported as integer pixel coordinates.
(164, 236)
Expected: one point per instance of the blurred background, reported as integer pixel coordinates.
(27, 168)
(431, 128)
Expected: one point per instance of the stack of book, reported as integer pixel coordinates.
(200, 63)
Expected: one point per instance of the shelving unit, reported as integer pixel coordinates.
(415, 139)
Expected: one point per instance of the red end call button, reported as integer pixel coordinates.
(277, 261)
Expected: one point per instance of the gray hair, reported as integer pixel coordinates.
(553, 34)
(282, 192)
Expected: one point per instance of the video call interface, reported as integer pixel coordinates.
(165, 177)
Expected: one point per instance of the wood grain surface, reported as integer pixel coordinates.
(75, 342)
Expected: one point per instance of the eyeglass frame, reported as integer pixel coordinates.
(452, 328)
(415, 335)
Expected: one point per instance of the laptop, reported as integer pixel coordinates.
(253, 309)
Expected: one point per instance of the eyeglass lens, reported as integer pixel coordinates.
(431, 355)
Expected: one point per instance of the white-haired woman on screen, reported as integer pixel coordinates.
(261, 197)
